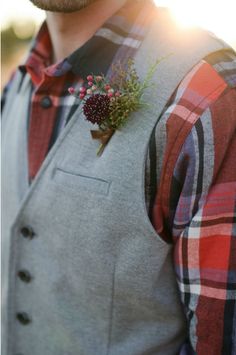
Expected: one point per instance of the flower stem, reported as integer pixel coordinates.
(100, 149)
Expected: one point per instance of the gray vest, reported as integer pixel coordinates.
(102, 280)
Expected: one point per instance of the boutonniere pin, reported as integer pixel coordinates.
(109, 104)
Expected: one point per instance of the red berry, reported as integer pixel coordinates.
(110, 94)
(90, 78)
(71, 90)
(90, 83)
(107, 87)
(82, 89)
(117, 94)
(81, 96)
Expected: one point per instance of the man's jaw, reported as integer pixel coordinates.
(65, 6)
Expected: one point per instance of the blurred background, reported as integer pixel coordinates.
(20, 21)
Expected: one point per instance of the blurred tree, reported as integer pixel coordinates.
(15, 40)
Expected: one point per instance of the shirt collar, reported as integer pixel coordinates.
(119, 37)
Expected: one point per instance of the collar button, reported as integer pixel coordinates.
(46, 102)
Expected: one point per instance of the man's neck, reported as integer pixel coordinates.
(70, 31)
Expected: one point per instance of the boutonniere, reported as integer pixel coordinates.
(109, 104)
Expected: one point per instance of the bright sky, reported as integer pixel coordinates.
(217, 16)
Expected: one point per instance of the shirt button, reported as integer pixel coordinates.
(27, 232)
(23, 318)
(24, 275)
(46, 102)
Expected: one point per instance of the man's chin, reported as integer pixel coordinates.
(65, 6)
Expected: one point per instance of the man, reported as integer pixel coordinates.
(131, 252)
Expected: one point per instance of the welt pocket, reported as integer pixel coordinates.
(79, 181)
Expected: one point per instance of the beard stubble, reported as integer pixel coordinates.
(65, 6)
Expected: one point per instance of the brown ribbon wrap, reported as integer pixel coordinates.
(103, 136)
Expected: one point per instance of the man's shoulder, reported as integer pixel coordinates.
(200, 113)
(202, 99)
(182, 48)
(224, 63)
(165, 34)
(205, 84)
(203, 63)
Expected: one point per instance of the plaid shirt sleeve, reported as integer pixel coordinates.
(195, 205)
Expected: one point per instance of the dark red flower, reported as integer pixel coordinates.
(97, 108)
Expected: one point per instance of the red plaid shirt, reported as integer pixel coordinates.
(192, 203)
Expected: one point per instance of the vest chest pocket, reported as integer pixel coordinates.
(74, 180)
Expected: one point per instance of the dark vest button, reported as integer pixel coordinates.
(46, 102)
(23, 318)
(24, 275)
(27, 232)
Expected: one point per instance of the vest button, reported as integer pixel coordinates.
(23, 318)
(24, 275)
(46, 102)
(27, 232)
